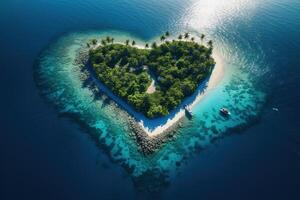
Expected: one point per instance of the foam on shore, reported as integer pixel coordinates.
(215, 78)
(63, 82)
(154, 127)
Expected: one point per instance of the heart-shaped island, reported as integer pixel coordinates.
(153, 80)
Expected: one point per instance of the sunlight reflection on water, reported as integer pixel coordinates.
(236, 92)
(205, 15)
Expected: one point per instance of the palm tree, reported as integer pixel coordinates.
(103, 42)
(133, 43)
(146, 45)
(154, 45)
(88, 45)
(94, 41)
(186, 35)
(112, 40)
(127, 42)
(210, 44)
(167, 34)
(202, 37)
(192, 39)
(180, 37)
(107, 39)
(162, 38)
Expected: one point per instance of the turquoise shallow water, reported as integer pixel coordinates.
(46, 155)
(61, 80)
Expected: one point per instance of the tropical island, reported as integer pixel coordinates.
(154, 79)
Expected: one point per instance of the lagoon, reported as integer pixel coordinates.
(43, 149)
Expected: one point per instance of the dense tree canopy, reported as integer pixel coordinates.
(179, 67)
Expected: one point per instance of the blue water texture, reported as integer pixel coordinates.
(59, 140)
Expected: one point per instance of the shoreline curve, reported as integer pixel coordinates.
(157, 126)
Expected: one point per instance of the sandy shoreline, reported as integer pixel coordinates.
(215, 78)
(154, 127)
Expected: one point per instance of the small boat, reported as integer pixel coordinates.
(225, 112)
(275, 109)
(188, 111)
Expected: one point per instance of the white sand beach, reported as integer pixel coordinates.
(215, 78)
(154, 127)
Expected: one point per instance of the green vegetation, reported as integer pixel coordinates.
(179, 67)
(202, 37)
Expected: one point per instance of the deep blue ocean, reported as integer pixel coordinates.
(44, 155)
